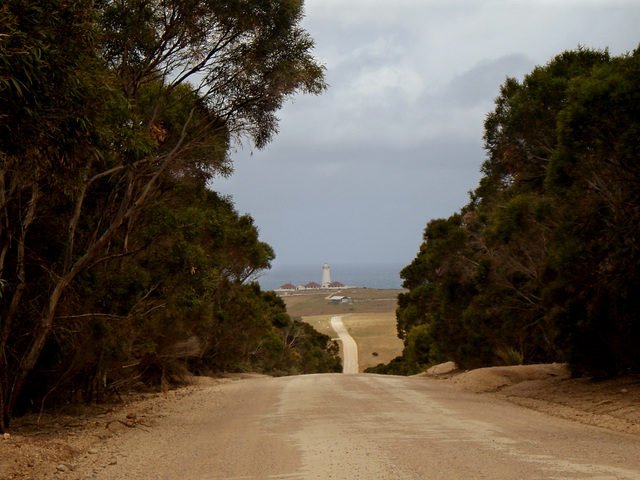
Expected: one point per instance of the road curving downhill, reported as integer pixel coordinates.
(349, 346)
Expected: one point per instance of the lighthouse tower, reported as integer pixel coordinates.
(326, 276)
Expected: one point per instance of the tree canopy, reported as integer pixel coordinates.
(542, 264)
(114, 116)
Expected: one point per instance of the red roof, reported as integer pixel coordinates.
(287, 286)
(312, 285)
(336, 284)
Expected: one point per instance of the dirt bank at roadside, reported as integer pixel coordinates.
(613, 404)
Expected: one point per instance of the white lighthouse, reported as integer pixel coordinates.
(326, 276)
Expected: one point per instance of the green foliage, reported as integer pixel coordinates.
(417, 351)
(545, 257)
(510, 356)
(595, 171)
(397, 366)
(177, 305)
(116, 263)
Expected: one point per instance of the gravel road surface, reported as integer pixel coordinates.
(349, 346)
(365, 427)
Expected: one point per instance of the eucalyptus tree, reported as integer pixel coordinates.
(543, 261)
(102, 103)
(595, 172)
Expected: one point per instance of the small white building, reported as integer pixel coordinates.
(341, 300)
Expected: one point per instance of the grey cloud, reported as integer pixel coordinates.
(483, 80)
(355, 174)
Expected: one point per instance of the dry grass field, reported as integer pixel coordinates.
(365, 300)
(370, 320)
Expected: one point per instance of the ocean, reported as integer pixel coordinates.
(384, 276)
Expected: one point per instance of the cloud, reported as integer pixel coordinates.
(386, 106)
(481, 82)
(356, 173)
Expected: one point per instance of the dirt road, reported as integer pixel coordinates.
(349, 346)
(357, 427)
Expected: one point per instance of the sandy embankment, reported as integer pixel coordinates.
(549, 388)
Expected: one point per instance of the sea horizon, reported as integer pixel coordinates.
(381, 275)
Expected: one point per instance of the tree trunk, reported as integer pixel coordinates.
(29, 360)
(129, 206)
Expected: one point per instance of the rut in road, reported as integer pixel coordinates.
(349, 346)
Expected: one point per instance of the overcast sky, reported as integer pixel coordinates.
(356, 173)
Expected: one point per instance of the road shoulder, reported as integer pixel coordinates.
(613, 404)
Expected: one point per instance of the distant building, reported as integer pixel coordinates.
(326, 276)
(326, 283)
(340, 300)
